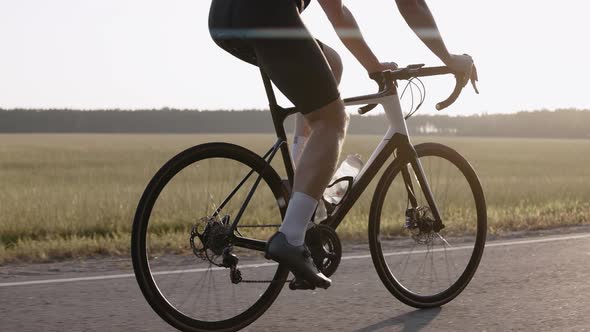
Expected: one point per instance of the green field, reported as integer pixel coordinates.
(72, 196)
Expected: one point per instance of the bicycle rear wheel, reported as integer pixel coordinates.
(178, 239)
(419, 266)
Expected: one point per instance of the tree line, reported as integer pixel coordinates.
(563, 123)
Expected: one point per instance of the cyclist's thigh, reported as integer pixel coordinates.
(334, 61)
(226, 34)
(292, 58)
(270, 33)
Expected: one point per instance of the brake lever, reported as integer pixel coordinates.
(366, 109)
(379, 80)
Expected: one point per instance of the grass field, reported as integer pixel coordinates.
(71, 196)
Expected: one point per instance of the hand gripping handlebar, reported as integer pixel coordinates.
(460, 82)
(419, 70)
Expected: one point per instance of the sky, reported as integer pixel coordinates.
(134, 54)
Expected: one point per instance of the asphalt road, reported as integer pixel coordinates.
(532, 283)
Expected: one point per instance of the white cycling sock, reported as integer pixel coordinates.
(299, 213)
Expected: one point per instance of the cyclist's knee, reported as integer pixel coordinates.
(331, 118)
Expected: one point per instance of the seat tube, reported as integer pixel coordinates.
(278, 122)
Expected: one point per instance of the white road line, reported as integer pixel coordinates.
(488, 245)
(249, 266)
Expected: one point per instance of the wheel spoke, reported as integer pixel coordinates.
(186, 266)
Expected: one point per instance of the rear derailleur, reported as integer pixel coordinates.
(214, 237)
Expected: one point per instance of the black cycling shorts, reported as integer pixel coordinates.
(271, 35)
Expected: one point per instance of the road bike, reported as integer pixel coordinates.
(201, 225)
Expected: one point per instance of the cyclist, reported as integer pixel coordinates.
(270, 34)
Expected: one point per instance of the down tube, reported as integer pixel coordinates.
(382, 153)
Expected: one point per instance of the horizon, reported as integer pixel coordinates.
(371, 114)
(149, 55)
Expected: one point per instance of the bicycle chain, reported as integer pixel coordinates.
(263, 281)
(236, 278)
(259, 281)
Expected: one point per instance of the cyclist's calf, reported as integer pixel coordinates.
(319, 159)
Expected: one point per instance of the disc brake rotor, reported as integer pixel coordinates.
(421, 224)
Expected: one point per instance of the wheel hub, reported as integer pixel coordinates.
(213, 237)
(421, 224)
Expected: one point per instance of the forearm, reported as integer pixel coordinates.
(420, 19)
(349, 32)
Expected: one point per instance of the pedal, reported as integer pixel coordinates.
(300, 284)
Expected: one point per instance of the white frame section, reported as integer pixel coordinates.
(397, 123)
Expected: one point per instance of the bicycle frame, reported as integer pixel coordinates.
(395, 142)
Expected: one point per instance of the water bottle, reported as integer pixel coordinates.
(351, 166)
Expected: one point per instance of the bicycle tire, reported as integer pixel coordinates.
(141, 266)
(390, 281)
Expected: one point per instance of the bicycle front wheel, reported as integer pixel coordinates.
(422, 267)
(180, 238)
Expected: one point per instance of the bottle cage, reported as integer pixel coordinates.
(350, 180)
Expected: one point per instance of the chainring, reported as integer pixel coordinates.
(325, 247)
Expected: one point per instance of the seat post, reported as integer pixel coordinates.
(275, 110)
(272, 100)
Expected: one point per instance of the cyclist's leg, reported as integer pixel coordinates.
(291, 57)
(300, 135)
(283, 47)
(293, 60)
(321, 128)
(297, 66)
(302, 129)
(320, 156)
(334, 61)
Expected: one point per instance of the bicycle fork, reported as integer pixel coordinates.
(410, 158)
